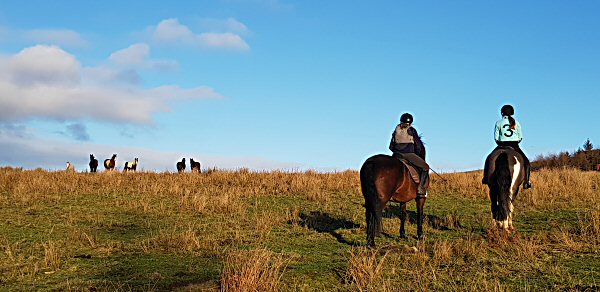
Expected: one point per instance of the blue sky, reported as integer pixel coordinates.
(273, 84)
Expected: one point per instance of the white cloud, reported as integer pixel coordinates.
(137, 55)
(225, 25)
(132, 55)
(62, 37)
(47, 82)
(171, 31)
(44, 65)
(223, 40)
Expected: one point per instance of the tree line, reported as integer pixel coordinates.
(584, 158)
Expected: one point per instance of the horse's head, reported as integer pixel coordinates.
(114, 156)
(91, 156)
(135, 161)
(183, 160)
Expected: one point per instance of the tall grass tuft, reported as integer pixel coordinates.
(253, 270)
(365, 270)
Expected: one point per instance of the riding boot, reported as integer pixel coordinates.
(527, 182)
(424, 179)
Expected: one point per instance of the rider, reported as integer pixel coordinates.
(407, 144)
(508, 133)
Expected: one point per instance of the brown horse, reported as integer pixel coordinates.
(384, 178)
(195, 165)
(109, 164)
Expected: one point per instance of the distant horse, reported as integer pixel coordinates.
(70, 168)
(505, 176)
(384, 178)
(93, 163)
(130, 166)
(109, 164)
(195, 165)
(181, 166)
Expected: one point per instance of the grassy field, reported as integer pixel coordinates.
(247, 231)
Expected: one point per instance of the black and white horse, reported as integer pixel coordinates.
(505, 178)
(130, 166)
(93, 163)
(109, 164)
(195, 165)
(181, 166)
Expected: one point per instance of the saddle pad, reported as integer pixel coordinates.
(414, 173)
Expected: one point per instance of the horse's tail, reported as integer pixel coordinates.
(502, 181)
(373, 208)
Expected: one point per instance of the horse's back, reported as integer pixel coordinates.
(386, 177)
(506, 156)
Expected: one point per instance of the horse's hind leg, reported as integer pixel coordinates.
(402, 220)
(420, 216)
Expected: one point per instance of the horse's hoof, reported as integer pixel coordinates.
(420, 237)
(403, 236)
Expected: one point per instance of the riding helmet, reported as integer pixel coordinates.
(507, 110)
(406, 118)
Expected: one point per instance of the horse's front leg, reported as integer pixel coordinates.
(402, 219)
(420, 204)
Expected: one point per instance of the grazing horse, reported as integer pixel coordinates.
(384, 178)
(181, 166)
(130, 166)
(505, 177)
(93, 163)
(195, 165)
(109, 164)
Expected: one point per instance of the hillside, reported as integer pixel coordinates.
(240, 231)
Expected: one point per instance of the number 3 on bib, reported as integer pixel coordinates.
(508, 132)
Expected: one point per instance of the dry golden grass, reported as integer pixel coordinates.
(563, 187)
(365, 270)
(253, 270)
(150, 231)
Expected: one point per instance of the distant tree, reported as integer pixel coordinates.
(587, 145)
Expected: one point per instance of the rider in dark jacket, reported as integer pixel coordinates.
(407, 144)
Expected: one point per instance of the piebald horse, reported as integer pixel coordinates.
(130, 166)
(505, 176)
(384, 178)
(109, 164)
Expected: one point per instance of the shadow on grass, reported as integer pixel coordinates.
(440, 223)
(324, 223)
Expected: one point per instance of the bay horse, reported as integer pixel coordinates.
(505, 176)
(181, 166)
(195, 165)
(93, 163)
(130, 166)
(385, 178)
(109, 164)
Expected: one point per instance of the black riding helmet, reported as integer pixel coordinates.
(406, 118)
(507, 110)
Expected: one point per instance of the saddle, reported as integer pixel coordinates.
(494, 155)
(414, 172)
